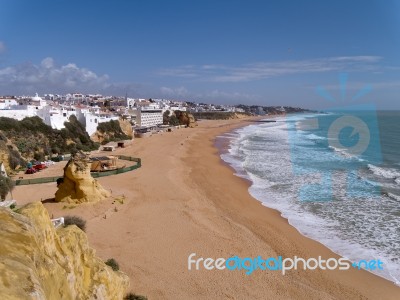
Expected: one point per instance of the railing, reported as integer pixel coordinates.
(94, 174)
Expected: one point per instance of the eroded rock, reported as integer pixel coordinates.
(78, 186)
(38, 261)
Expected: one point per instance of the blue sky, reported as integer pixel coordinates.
(255, 52)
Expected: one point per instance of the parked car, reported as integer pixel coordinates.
(39, 167)
(30, 171)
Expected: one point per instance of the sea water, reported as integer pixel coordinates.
(360, 219)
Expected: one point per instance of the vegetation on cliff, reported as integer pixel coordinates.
(75, 220)
(170, 119)
(272, 110)
(113, 264)
(132, 296)
(112, 132)
(9, 156)
(6, 186)
(39, 261)
(178, 118)
(75, 137)
(217, 115)
(34, 139)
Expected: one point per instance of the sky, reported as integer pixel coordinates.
(226, 52)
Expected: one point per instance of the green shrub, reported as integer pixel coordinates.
(6, 186)
(166, 117)
(39, 156)
(113, 129)
(173, 120)
(75, 220)
(213, 115)
(34, 138)
(3, 137)
(132, 296)
(113, 264)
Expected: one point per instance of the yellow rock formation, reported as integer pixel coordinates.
(4, 158)
(185, 118)
(38, 261)
(126, 127)
(78, 185)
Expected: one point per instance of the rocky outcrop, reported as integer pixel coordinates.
(38, 261)
(126, 127)
(4, 159)
(99, 137)
(113, 131)
(185, 118)
(77, 185)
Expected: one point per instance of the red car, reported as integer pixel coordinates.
(39, 167)
(30, 171)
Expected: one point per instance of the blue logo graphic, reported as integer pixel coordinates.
(351, 132)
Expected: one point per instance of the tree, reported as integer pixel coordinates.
(174, 121)
(6, 186)
(166, 117)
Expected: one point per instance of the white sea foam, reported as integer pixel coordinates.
(388, 173)
(356, 229)
(316, 137)
(394, 197)
(341, 152)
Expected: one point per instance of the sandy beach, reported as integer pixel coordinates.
(185, 200)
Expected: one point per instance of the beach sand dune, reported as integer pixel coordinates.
(185, 200)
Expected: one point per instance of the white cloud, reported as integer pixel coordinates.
(174, 92)
(2, 47)
(47, 76)
(263, 70)
(47, 63)
(228, 97)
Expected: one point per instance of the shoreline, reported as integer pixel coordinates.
(366, 274)
(195, 204)
(223, 144)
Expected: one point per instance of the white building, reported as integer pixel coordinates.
(149, 116)
(18, 112)
(56, 116)
(90, 117)
(7, 103)
(93, 120)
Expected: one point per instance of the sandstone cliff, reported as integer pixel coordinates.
(185, 118)
(4, 158)
(38, 261)
(9, 155)
(126, 127)
(78, 186)
(113, 131)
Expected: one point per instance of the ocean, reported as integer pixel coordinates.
(326, 182)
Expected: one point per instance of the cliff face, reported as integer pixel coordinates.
(35, 140)
(113, 131)
(78, 185)
(4, 158)
(185, 118)
(126, 127)
(38, 261)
